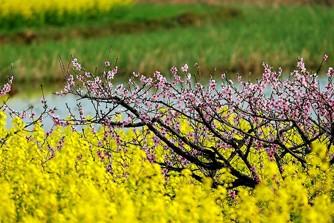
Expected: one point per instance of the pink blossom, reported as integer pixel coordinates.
(185, 68)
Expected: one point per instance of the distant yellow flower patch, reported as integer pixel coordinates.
(37, 9)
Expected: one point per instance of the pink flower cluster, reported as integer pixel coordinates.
(6, 88)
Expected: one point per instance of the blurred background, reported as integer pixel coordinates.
(232, 36)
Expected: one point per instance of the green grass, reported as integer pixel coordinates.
(240, 43)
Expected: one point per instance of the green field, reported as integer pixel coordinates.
(146, 37)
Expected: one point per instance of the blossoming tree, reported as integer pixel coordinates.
(213, 128)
